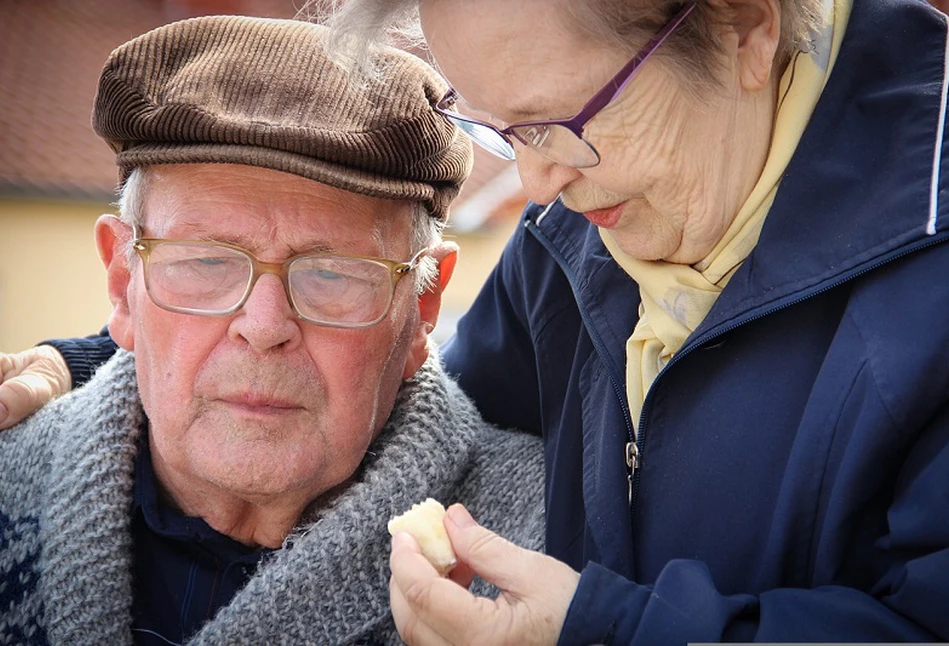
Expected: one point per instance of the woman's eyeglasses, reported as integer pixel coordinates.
(560, 140)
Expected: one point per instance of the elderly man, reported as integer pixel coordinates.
(274, 275)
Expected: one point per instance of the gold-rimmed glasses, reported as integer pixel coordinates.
(216, 278)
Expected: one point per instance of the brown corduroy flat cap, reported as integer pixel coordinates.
(260, 92)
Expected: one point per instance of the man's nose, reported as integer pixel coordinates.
(267, 320)
(542, 179)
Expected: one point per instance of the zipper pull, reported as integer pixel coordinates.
(632, 463)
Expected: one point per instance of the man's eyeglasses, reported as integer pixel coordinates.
(215, 279)
(560, 140)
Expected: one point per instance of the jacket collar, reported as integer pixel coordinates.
(865, 185)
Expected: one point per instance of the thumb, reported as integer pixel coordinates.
(493, 558)
(28, 380)
(22, 395)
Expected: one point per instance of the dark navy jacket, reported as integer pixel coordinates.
(794, 483)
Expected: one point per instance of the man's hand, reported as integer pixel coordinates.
(535, 590)
(28, 380)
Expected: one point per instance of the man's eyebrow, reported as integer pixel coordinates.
(248, 243)
(318, 247)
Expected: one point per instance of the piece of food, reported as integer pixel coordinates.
(424, 521)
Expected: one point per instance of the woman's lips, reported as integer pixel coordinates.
(605, 218)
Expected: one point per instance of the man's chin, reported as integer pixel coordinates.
(257, 477)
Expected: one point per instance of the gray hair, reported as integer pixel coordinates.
(360, 24)
(426, 230)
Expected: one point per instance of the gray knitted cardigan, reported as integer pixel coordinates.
(66, 493)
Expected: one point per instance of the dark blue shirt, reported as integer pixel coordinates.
(184, 570)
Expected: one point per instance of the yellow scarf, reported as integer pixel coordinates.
(676, 298)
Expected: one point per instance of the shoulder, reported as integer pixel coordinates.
(504, 486)
(497, 474)
(898, 311)
(65, 428)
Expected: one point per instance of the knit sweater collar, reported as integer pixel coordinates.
(329, 582)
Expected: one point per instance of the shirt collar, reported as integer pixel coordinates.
(167, 522)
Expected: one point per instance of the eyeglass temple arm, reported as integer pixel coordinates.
(406, 267)
(625, 75)
(447, 101)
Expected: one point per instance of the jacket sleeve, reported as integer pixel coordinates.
(491, 354)
(906, 602)
(84, 355)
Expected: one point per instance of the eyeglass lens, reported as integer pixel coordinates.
(212, 279)
(558, 144)
(484, 136)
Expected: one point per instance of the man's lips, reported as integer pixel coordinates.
(258, 402)
(605, 218)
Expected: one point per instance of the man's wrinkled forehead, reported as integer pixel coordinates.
(265, 210)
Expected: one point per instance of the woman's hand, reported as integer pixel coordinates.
(28, 380)
(535, 590)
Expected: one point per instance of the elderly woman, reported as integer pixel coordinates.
(724, 312)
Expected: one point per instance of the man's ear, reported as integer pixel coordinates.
(112, 236)
(429, 304)
(757, 24)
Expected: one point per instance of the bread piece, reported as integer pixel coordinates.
(424, 521)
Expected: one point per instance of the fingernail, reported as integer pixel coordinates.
(398, 538)
(460, 516)
(401, 539)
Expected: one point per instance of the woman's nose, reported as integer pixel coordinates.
(542, 179)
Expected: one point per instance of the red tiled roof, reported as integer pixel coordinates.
(51, 53)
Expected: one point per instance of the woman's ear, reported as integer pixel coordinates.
(429, 304)
(112, 238)
(757, 24)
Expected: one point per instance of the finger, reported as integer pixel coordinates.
(493, 558)
(442, 605)
(22, 395)
(462, 574)
(28, 380)
(411, 629)
(47, 361)
(6, 364)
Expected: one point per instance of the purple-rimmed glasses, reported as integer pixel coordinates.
(560, 140)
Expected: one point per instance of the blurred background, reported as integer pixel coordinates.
(57, 176)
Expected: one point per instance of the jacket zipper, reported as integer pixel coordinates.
(632, 449)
